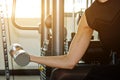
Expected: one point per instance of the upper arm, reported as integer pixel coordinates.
(83, 22)
(81, 41)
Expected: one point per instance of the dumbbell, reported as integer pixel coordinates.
(19, 55)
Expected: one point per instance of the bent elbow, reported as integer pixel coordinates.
(68, 62)
(71, 65)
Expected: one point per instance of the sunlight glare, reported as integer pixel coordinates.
(28, 8)
(32, 8)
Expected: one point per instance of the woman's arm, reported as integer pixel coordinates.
(77, 49)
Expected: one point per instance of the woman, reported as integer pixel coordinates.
(103, 16)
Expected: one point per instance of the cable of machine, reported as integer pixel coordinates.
(4, 41)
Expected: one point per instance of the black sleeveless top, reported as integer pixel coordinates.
(105, 18)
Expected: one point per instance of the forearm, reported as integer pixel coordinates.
(76, 51)
(52, 61)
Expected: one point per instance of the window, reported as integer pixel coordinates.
(24, 8)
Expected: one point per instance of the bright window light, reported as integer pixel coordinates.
(24, 8)
(74, 5)
(28, 8)
(32, 8)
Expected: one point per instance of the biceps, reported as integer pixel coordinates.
(80, 44)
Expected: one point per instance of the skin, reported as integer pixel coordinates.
(77, 48)
(102, 1)
(76, 51)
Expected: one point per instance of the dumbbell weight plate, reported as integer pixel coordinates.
(22, 58)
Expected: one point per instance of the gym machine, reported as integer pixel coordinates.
(57, 28)
(42, 30)
(57, 46)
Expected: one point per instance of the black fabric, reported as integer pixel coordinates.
(78, 73)
(104, 72)
(105, 18)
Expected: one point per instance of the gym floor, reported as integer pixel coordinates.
(21, 78)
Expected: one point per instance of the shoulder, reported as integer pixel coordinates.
(83, 22)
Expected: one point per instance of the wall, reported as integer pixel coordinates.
(30, 40)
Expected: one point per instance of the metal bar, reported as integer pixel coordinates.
(87, 3)
(41, 28)
(44, 35)
(58, 27)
